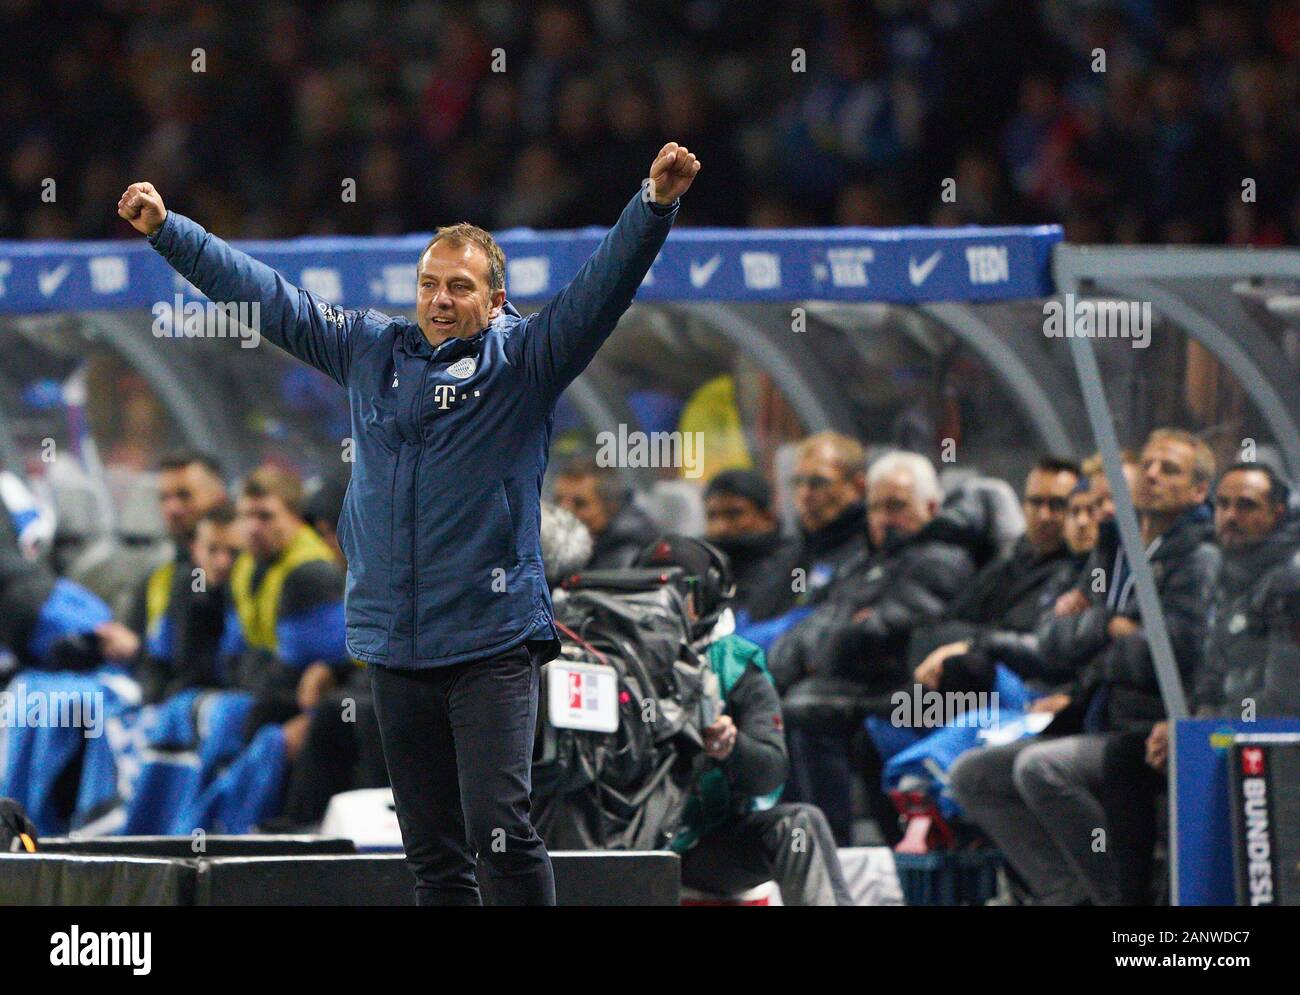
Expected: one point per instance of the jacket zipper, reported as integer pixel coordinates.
(415, 516)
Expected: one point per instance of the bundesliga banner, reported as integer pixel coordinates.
(905, 265)
(1266, 819)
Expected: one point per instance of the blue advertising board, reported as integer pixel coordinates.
(904, 265)
(1200, 800)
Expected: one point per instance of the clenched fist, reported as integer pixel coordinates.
(142, 206)
(672, 172)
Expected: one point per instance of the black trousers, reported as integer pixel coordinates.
(1129, 792)
(342, 751)
(458, 742)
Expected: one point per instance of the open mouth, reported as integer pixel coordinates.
(442, 321)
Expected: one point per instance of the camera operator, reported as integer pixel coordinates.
(735, 835)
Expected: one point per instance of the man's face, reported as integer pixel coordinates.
(1165, 484)
(1103, 501)
(1047, 496)
(215, 548)
(1081, 523)
(1244, 513)
(185, 495)
(730, 516)
(268, 525)
(452, 298)
(892, 504)
(581, 497)
(822, 490)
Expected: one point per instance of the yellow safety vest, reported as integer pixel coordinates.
(258, 609)
(157, 597)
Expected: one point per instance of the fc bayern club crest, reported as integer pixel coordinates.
(463, 369)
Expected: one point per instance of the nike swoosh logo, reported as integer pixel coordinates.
(702, 273)
(50, 282)
(919, 274)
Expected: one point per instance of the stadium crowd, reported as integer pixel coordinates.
(509, 114)
(890, 587)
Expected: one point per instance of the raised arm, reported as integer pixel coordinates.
(296, 320)
(559, 341)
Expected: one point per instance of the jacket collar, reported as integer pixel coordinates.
(1193, 526)
(1024, 550)
(850, 524)
(1190, 529)
(744, 550)
(1258, 558)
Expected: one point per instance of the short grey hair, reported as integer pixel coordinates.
(925, 482)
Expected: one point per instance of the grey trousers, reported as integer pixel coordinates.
(789, 844)
(1038, 801)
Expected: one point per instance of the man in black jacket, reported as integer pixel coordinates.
(177, 613)
(853, 647)
(829, 485)
(1251, 667)
(1038, 798)
(1007, 597)
(740, 521)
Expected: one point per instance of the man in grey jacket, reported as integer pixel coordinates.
(1251, 666)
(1038, 799)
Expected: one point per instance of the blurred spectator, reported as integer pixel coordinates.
(1040, 799)
(424, 104)
(189, 486)
(1099, 484)
(1007, 598)
(597, 496)
(288, 592)
(829, 484)
(1242, 673)
(854, 645)
(191, 632)
(179, 616)
(742, 523)
(48, 622)
(1251, 667)
(1081, 522)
